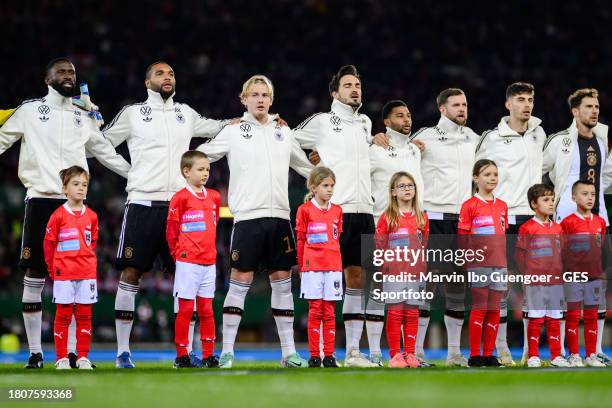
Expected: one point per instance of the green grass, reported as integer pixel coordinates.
(256, 384)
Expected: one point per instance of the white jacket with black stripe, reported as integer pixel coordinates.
(55, 135)
(157, 132)
(518, 159)
(446, 165)
(557, 160)
(259, 157)
(341, 137)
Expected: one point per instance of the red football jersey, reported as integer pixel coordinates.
(539, 247)
(192, 226)
(70, 243)
(407, 234)
(486, 222)
(318, 233)
(584, 237)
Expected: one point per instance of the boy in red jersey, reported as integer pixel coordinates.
(483, 221)
(585, 233)
(403, 225)
(191, 235)
(539, 255)
(70, 241)
(318, 227)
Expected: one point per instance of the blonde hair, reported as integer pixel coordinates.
(317, 175)
(575, 99)
(257, 79)
(392, 213)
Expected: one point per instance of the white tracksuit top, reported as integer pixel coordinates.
(402, 155)
(446, 165)
(259, 157)
(518, 159)
(341, 137)
(157, 132)
(55, 135)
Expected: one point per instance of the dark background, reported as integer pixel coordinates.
(403, 50)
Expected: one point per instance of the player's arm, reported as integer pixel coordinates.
(520, 249)
(300, 228)
(118, 130)
(50, 242)
(218, 147)
(549, 154)
(217, 201)
(425, 231)
(607, 174)
(483, 148)
(12, 129)
(207, 128)
(102, 149)
(307, 133)
(173, 225)
(94, 232)
(298, 160)
(5, 114)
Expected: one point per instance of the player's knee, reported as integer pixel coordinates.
(353, 277)
(130, 275)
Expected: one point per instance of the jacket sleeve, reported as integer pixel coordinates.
(118, 130)
(607, 174)
(483, 148)
(12, 130)
(298, 160)
(50, 242)
(549, 156)
(103, 150)
(218, 147)
(206, 128)
(307, 132)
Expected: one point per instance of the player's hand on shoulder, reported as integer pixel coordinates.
(314, 158)
(419, 143)
(381, 139)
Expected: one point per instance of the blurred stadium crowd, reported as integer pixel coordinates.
(404, 50)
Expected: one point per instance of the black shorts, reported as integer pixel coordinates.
(37, 214)
(354, 225)
(511, 234)
(263, 243)
(143, 237)
(443, 236)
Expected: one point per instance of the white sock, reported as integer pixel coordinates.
(600, 332)
(32, 311)
(125, 303)
(453, 333)
(192, 324)
(374, 322)
(282, 309)
(501, 342)
(353, 315)
(562, 338)
(72, 336)
(421, 333)
(526, 339)
(232, 313)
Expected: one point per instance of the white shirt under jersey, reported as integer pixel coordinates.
(402, 155)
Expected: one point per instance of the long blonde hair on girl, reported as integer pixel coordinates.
(317, 175)
(392, 213)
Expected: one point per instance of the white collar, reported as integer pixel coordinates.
(247, 117)
(449, 126)
(343, 110)
(398, 139)
(505, 130)
(403, 213)
(544, 224)
(191, 190)
(478, 196)
(54, 98)
(582, 217)
(155, 99)
(67, 208)
(314, 202)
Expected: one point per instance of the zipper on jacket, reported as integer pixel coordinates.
(167, 198)
(356, 146)
(265, 134)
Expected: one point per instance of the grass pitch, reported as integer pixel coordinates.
(264, 384)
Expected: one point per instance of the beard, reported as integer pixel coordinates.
(350, 102)
(460, 121)
(163, 94)
(587, 123)
(67, 92)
